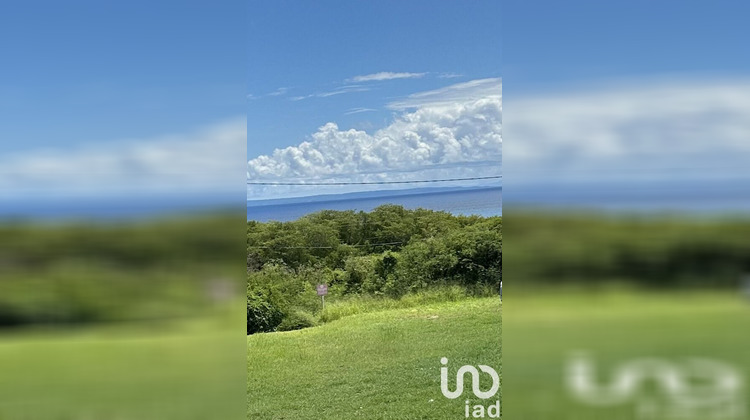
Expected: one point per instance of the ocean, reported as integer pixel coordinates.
(707, 199)
(481, 201)
(116, 209)
(701, 200)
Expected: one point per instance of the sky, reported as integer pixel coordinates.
(577, 43)
(121, 98)
(372, 91)
(635, 94)
(593, 93)
(141, 98)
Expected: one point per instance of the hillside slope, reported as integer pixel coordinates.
(383, 365)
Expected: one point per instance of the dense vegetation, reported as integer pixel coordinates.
(72, 273)
(645, 251)
(392, 252)
(388, 253)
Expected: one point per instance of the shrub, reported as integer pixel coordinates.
(297, 320)
(262, 315)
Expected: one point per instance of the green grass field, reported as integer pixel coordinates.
(542, 332)
(176, 372)
(379, 365)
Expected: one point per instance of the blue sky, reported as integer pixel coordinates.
(315, 47)
(98, 71)
(102, 97)
(352, 63)
(553, 44)
(592, 92)
(103, 85)
(637, 95)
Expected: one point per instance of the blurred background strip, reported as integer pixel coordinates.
(122, 144)
(626, 180)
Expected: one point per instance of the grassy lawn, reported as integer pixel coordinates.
(542, 332)
(122, 373)
(380, 365)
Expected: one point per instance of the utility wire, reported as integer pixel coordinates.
(376, 182)
(322, 247)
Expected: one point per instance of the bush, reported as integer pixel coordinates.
(262, 315)
(297, 320)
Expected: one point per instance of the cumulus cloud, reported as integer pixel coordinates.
(676, 130)
(386, 75)
(206, 161)
(459, 93)
(443, 139)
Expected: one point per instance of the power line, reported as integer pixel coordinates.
(376, 182)
(323, 247)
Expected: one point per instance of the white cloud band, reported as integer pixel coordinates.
(676, 130)
(386, 75)
(207, 161)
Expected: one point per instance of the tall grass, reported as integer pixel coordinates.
(359, 304)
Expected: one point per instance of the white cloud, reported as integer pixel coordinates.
(677, 130)
(342, 90)
(208, 160)
(458, 139)
(338, 91)
(459, 93)
(386, 75)
(280, 91)
(359, 111)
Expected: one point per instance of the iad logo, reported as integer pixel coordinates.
(474, 381)
(478, 411)
(698, 389)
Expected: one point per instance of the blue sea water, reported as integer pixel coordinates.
(115, 209)
(482, 202)
(703, 200)
(696, 199)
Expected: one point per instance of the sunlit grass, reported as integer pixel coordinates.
(177, 371)
(379, 365)
(543, 330)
